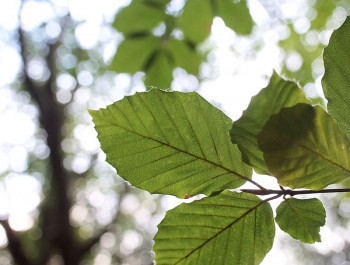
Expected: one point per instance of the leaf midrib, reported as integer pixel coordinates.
(182, 151)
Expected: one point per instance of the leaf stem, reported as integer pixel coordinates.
(291, 192)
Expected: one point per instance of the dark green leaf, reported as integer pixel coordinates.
(137, 17)
(277, 95)
(229, 228)
(160, 71)
(336, 80)
(235, 15)
(133, 54)
(196, 20)
(172, 143)
(304, 148)
(301, 219)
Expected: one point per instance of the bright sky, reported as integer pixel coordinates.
(236, 79)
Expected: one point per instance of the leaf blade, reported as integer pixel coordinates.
(139, 16)
(196, 20)
(336, 79)
(235, 15)
(227, 228)
(301, 219)
(304, 148)
(172, 143)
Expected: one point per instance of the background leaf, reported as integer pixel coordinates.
(160, 71)
(336, 80)
(196, 20)
(277, 95)
(139, 16)
(301, 219)
(230, 228)
(184, 55)
(172, 143)
(133, 53)
(235, 15)
(304, 148)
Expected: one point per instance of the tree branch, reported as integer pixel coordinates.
(292, 192)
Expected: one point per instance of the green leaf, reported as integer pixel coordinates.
(170, 143)
(134, 53)
(277, 95)
(139, 16)
(230, 228)
(336, 80)
(301, 219)
(304, 148)
(235, 15)
(160, 71)
(196, 20)
(184, 56)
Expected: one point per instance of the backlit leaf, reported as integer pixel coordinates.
(160, 71)
(235, 15)
(229, 228)
(304, 148)
(172, 143)
(277, 95)
(301, 219)
(139, 16)
(133, 54)
(336, 80)
(184, 56)
(196, 20)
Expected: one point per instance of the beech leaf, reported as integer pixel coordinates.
(171, 143)
(336, 79)
(304, 148)
(229, 228)
(301, 219)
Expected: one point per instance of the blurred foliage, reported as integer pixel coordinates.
(156, 41)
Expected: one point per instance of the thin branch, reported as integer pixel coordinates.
(14, 245)
(292, 192)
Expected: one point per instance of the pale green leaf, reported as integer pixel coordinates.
(336, 80)
(229, 228)
(160, 71)
(133, 54)
(196, 20)
(301, 219)
(304, 148)
(271, 99)
(184, 56)
(171, 143)
(139, 16)
(235, 15)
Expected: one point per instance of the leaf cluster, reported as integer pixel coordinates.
(156, 41)
(177, 143)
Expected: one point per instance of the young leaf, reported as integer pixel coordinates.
(196, 20)
(304, 148)
(301, 219)
(277, 95)
(336, 80)
(229, 228)
(170, 143)
(184, 56)
(133, 54)
(139, 16)
(160, 71)
(235, 15)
